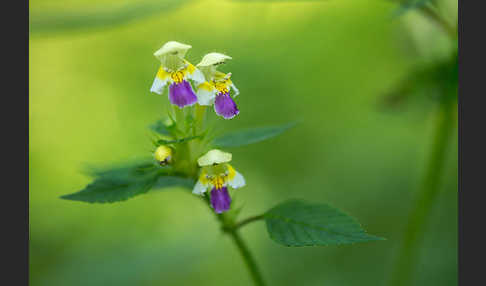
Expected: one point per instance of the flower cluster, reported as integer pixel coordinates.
(213, 87)
(201, 85)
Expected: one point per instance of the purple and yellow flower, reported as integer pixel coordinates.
(216, 89)
(217, 175)
(175, 72)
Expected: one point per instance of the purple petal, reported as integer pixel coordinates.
(220, 200)
(225, 106)
(181, 94)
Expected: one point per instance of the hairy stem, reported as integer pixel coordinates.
(180, 120)
(247, 257)
(200, 112)
(183, 155)
(230, 228)
(409, 251)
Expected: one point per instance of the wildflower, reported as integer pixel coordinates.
(174, 72)
(216, 89)
(163, 154)
(217, 175)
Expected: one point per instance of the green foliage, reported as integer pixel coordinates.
(64, 22)
(129, 170)
(177, 141)
(250, 136)
(408, 5)
(124, 182)
(160, 128)
(174, 181)
(279, 1)
(100, 97)
(298, 223)
(437, 81)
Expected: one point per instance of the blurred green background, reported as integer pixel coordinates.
(326, 63)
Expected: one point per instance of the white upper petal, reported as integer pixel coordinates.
(213, 58)
(172, 47)
(238, 181)
(214, 156)
(158, 85)
(199, 188)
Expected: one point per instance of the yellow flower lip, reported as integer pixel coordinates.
(214, 156)
(212, 59)
(172, 47)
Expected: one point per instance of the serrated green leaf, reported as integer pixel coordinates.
(127, 170)
(250, 136)
(298, 223)
(108, 191)
(126, 181)
(173, 181)
(118, 184)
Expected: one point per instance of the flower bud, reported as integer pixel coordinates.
(163, 154)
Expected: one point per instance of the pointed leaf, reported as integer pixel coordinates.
(250, 136)
(118, 184)
(298, 223)
(126, 181)
(177, 141)
(173, 181)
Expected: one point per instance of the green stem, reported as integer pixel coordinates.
(183, 155)
(248, 220)
(200, 111)
(247, 257)
(179, 117)
(409, 251)
(230, 228)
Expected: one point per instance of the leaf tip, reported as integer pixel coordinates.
(66, 197)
